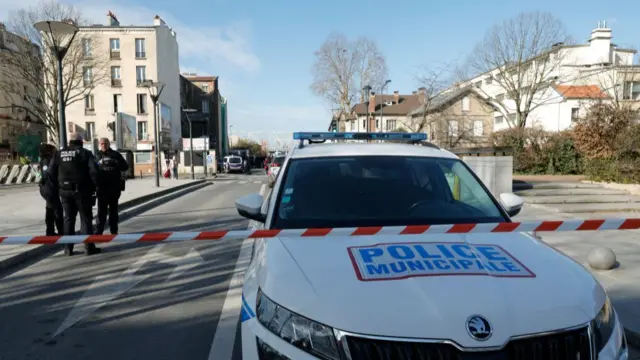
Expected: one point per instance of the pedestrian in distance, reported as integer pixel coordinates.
(76, 172)
(111, 165)
(54, 217)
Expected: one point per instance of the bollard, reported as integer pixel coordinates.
(602, 258)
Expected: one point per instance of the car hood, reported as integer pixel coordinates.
(375, 285)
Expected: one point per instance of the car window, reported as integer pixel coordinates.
(381, 191)
(279, 160)
(235, 160)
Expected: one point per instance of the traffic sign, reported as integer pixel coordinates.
(209, 159)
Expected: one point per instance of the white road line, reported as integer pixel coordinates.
(243, 182)
(225, 335)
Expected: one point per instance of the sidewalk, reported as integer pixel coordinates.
(621, 283)
(23, 210)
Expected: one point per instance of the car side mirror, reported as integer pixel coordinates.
(250, 207)
(512, 203)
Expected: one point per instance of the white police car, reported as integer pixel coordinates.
(442, 296)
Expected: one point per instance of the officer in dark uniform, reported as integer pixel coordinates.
(77, 175)
(111, 164)
(49, 191)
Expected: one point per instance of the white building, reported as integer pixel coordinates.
(576, 74)
(133, 54)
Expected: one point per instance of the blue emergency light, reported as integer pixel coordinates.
(320, 136)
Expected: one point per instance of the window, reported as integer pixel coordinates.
(143, 157)
(142, 131)
(205, 87)
(500, 97)
(90, 131)
(141, 49)
(631, 90)
(349, 191)
(499, 119)
(478, 128)
(512, 118)
(88, 102)
(453, 128)
(364, 123)
(478, 84)
(117, 100)
(86, 47)
(205, 106)
(114, 44)
(575, 114)
(87, 75)
(115, 73)
(377, 124)
(488, 81)
(141, 74)
(391, 125)
(142, 103)
(465, 103)
(353, 125)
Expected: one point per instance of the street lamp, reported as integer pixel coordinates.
(367, 93)
(155, 90)
(61, 35)
(186, 113)
(382, 101)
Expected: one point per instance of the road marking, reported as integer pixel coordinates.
(225, 335)
(243, 182)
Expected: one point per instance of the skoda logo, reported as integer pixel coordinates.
(479, 328)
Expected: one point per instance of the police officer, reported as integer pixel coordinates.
(77, 175)
(49, 191)
(111, 164)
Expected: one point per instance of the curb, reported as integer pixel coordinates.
(126, 207)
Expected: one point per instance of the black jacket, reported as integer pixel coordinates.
(111, 164)
(74, 169)
(48, 185)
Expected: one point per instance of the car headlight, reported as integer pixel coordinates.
(603, 325)
(310, 336)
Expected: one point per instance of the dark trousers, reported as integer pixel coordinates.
(108, 204)
(54, 218)
(74, 203)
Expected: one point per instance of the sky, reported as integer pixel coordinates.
(263, 51)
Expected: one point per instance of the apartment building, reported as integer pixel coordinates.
(210, 103)
(20, 129)
(134, 54)
(577, 75)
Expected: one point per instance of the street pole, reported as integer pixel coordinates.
(156, 135)
(61, 108)
(382, 101)
(193, 173)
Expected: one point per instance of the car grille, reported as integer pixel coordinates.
(569, 345)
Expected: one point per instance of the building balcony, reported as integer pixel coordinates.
(114, 55)
(116, 82)
(89, 112)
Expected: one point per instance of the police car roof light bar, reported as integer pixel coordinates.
(324, 136)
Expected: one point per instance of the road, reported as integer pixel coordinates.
(148, 301)
(142, 306)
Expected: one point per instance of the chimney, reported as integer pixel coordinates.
(414, 92)
(157, 21)
(396, 97)
(112, 20)
(600, 44)
(372, 102)
(422, 94)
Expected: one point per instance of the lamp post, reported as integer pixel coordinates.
(186, 113)
(61, 35)
(155, 90)
(367, 93)
(382, 101)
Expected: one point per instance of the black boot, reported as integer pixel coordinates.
(91, 249)
(68, 249)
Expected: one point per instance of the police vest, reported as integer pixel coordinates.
(72, 166)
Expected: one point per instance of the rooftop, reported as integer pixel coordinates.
(581, 92)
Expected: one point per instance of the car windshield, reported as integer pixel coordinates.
(381, 191)
(278, 161)
(235, 160)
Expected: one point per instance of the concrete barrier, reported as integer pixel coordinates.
(18, 174)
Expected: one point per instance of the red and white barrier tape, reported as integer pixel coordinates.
(529, 226)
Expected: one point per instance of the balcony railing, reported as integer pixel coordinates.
(115, 55)
(143, 137)
(116, 82)
(88, 111)
(141, 54)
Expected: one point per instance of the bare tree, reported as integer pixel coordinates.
(618, 81)
(433, 81)
(522, 55)
(30, 66)
(343, 67)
